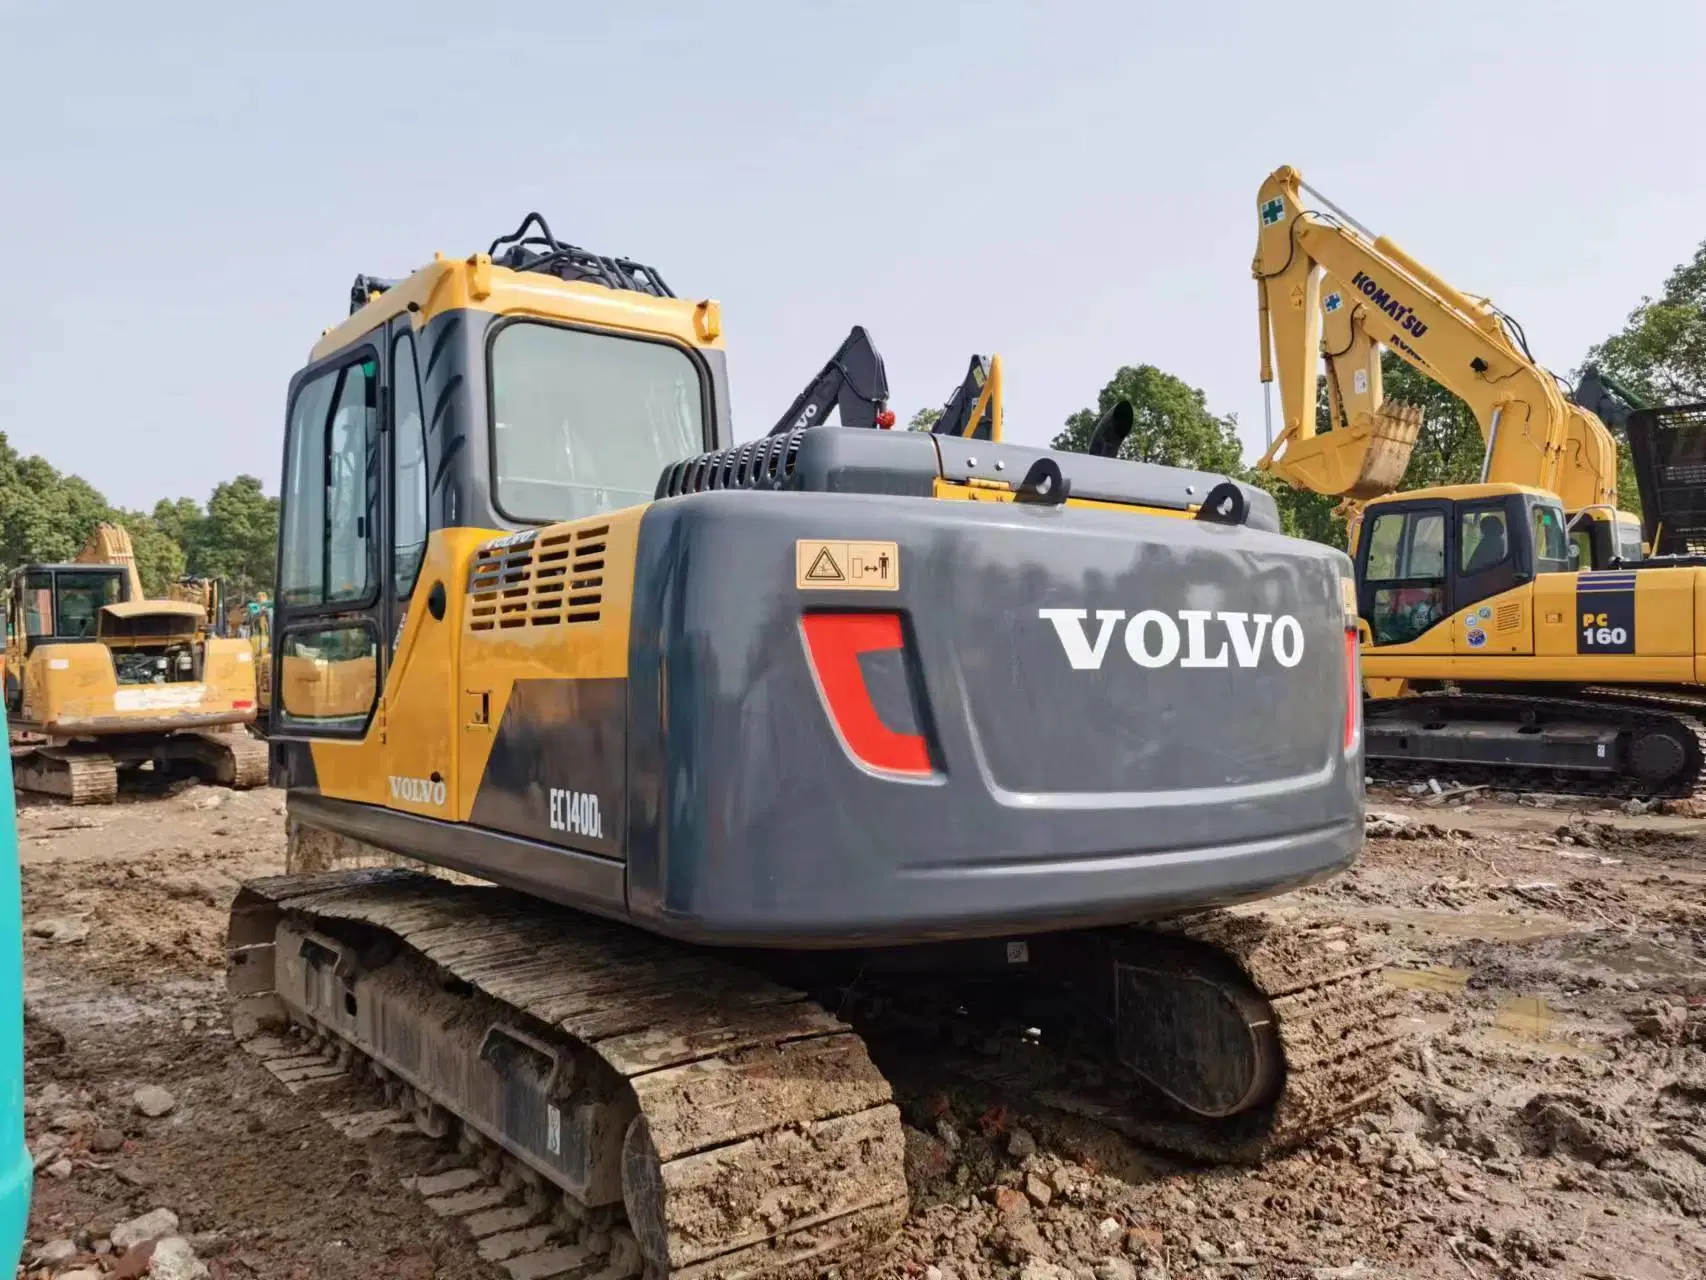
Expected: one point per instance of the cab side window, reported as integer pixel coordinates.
(409, 468)
(38, 605)
(1483, 542)
(1406, 574)
(330, 489)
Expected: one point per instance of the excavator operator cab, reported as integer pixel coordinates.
(1424, 555)
(54, 604)
(533, 383)
(61, 603)
(1602, 537)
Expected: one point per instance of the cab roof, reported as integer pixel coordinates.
(477, 283)
(1462, 493)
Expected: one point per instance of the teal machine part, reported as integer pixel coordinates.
(15, 1167)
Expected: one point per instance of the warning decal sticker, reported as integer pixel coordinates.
(846, 566)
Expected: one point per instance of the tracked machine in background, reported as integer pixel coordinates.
(1667, 449)
(100, 679)
(763, 750)
(1514, 629)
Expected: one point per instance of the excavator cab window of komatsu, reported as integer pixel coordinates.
(585, 422)
(1405, 574)
(1482, 543)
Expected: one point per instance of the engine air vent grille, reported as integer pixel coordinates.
(544, 578)
(766, 463)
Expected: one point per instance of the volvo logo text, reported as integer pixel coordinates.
(418, 790)
(1191, 638)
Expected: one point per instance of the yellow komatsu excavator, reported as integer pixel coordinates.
(1491, 643)
(102, 678)
(1330, 291)
(768, 750)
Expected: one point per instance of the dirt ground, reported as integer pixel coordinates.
(1548, 1120)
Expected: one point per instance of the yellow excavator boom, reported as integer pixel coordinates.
(110, 544)
(1327, 287)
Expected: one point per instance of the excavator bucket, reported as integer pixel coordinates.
(1363, 460)
(1391, 442)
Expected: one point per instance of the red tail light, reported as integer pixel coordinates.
(1353, 690)
(834, 642)
(242, 706)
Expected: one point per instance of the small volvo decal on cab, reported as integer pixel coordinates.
(1187, 638)
(418, 790)
(576, 813)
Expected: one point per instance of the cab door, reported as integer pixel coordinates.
(329, 616)
(1404, 589)
(418, 700)
(1491, 560)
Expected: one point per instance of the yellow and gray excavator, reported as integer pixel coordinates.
(101, 678)
(768, 752)
(1492, 643)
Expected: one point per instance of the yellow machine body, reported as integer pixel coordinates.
(100, 677)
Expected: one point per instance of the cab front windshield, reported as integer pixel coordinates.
(585, 422)
(66, 603)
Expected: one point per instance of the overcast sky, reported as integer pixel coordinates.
(187, 190)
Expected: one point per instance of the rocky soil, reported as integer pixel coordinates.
(1549, 1118)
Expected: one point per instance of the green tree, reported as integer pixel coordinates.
(1449, 447)
(1660, 352)
(924, 419)
(1303, 514)
(237, 541)
(1172, 423)
(44, 516)
(181, 521)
